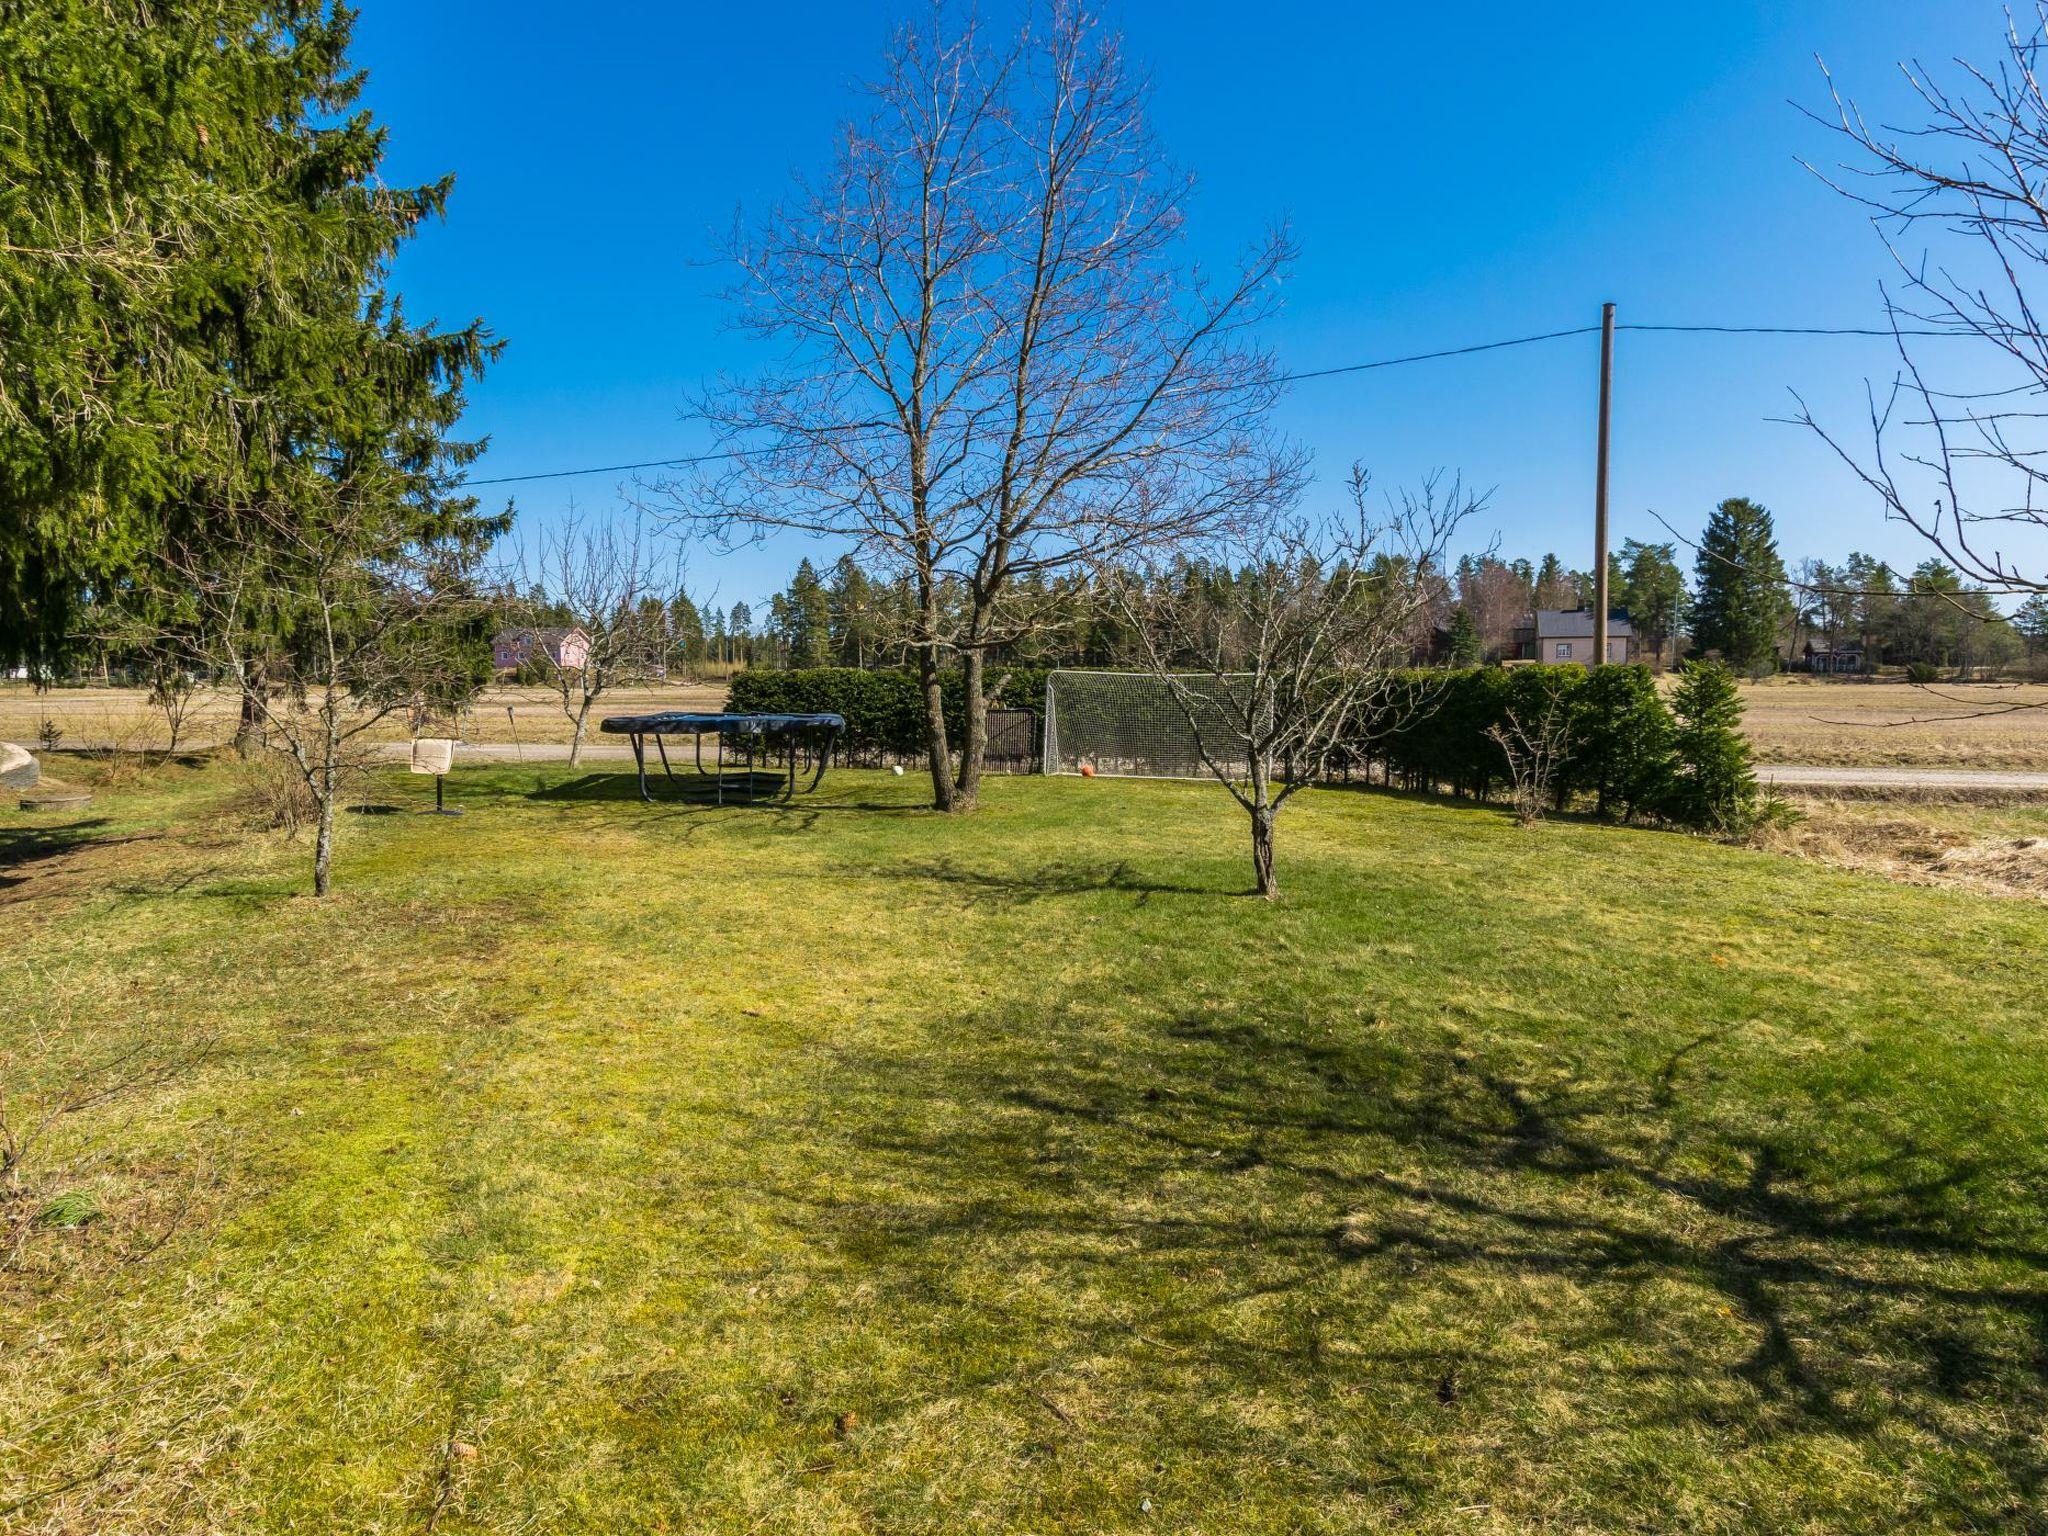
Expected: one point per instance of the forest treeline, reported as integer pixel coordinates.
(1739, 603)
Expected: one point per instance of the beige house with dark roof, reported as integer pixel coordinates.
(1566, 635)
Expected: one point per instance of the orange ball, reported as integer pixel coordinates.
(1087, 770)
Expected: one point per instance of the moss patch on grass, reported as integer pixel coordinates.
(585, 1165)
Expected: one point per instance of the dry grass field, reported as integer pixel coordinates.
(1894, 724)
(1791, 720)
(1999, 848)
(123, 718)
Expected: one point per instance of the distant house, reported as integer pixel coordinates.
(512, 649)
(1566, 635)
(1832, 659)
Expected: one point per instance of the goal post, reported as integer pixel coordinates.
(1132, 725)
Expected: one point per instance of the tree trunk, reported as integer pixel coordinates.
(1262, 852)
(935, 730)
(576, 736)
(323, 845)
(975, 747)
(249, 732)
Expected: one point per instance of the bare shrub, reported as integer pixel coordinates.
(172, 692)
(1534, 743)
(275, 795)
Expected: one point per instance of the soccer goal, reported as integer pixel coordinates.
(1130, 725)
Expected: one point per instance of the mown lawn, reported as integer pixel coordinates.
(585, 1166)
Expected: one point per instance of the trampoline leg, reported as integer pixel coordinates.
(662, 747)
(824, 757)
(640, 763)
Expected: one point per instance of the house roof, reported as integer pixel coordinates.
(1577, 624)
(553, 636)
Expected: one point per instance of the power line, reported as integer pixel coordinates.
(1425, 357)
(607, 469)
(1787, 330)
(1291, 378)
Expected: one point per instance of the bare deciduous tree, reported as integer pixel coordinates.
(609, 588)
(1294, 663)
(999, 366)
(349, 625)
(1955, 443)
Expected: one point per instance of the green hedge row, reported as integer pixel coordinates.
(884, 710)
(1627, 752)
(1625, 749)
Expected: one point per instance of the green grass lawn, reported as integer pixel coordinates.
(588, 1166)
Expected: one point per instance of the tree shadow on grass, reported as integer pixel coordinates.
(23, 849)
(684, 790)
(692, 792)
(1730, 1278)
(1017, 888)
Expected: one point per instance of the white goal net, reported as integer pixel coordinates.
(1129, 724)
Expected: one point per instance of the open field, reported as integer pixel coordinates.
(122, 716)
(1854, 723)
(1924, 839)
(585, 1166)
(1790, 720)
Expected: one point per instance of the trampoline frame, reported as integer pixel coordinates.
(801, 735)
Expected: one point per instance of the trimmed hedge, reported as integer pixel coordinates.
(1625, 754)
(884, 710)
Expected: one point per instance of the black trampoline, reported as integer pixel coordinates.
(779, 747)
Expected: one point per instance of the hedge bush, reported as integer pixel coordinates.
(1625, 754)
(884, 710)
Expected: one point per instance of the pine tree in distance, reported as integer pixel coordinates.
(1741, 606)
(1465, 649)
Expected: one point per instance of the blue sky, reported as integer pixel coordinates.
(1453, 174)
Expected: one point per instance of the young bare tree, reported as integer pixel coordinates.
(351, 618)
(1955, 446)
(607, 588)
(1534, 740)
(998, 363)
(1293, 663)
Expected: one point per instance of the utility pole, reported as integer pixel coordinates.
(1600, 595)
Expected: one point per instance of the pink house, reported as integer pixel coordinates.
(511, 649)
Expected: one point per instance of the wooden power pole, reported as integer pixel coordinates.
(1600, 594)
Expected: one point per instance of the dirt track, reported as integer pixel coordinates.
(1786, 776)
(1799, 776)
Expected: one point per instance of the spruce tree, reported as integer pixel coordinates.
(1741, 605)
(1713, 787)
(1464, 639)
(1621, 741)
(199, 347)
(740, 631)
